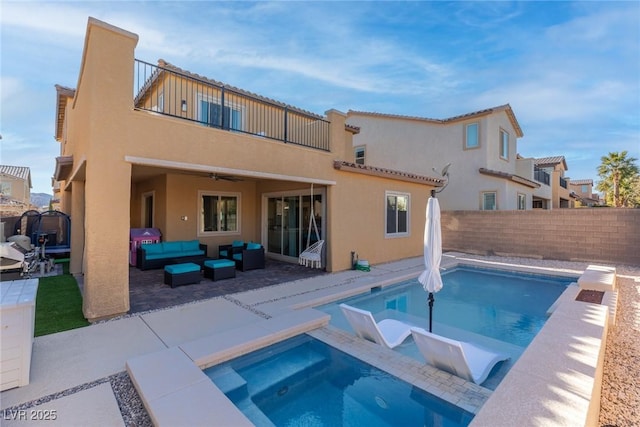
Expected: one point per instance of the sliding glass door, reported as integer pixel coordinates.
(287, 223)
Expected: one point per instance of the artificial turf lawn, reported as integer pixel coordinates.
(58, 305)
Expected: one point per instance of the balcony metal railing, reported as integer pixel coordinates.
(541, 176)
(563, 182)
(177, 94)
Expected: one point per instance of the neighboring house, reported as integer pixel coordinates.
(144, 145)
(555, 167)
(15, 190)
(583, 189)
(486, 173)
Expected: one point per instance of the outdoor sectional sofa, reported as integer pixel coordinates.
(157, 255)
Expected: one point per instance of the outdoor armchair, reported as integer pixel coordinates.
(249, 258)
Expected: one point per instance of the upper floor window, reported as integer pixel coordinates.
(359, 155)
(212, 113)
(219, 213)
(504, 144)
(584, 189)
(397, 214)
(522, 202)
(489, 201)
(472, 137)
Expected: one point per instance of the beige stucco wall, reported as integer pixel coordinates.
(357, 211)
(111, 143)
(418, 146)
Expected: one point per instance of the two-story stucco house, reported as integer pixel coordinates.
(486, 173)
(152, 145)
(583, 191)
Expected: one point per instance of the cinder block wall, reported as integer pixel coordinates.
(604, 235)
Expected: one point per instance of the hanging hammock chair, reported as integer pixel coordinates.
(312, 256)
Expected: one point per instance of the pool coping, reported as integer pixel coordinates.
(579, 378)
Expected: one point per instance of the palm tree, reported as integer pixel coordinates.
(617, 170)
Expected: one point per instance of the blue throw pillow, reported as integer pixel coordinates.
(237, 243)
(253, 245)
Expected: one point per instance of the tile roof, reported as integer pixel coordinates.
(21, 172)
(581, 182)
(387, 173)
(63, 94)
(551, 161)
(506, 108)
(509, 177)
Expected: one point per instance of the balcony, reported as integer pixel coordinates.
(166, 90)
(541, 176)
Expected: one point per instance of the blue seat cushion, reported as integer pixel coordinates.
(190, 245)
(253, 246)
(187, 267)
(152, 248)
(172, 247)
(219, 263)
(237, 257)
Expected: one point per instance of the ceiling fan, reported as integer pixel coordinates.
(217, 177)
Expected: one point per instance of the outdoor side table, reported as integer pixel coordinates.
(17, 322)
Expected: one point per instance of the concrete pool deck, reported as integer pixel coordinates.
(69, 369)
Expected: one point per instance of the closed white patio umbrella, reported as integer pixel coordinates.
(430, 278)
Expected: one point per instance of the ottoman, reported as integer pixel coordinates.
(181, 274)
(218, 269)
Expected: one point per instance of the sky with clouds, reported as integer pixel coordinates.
(569, 70)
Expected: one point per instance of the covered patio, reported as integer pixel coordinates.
(148, 292)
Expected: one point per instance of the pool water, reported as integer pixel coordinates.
(305, 382)
(498, 310)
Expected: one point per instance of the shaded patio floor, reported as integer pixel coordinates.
(147, 290)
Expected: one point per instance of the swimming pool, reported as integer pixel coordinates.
(303, 381)
(500, 310)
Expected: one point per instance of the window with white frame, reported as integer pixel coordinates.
(472, 136)
(219, 213)
(212, 113)
(504, 144)
(397, 214)
(489, 201)
(359, 155)
(522, 202)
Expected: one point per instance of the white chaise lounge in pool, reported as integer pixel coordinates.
(388, 332)
(459, 358)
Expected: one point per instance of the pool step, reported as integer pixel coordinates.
(281, 369)
(228, 381)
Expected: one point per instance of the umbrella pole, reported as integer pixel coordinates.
(430, 309)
